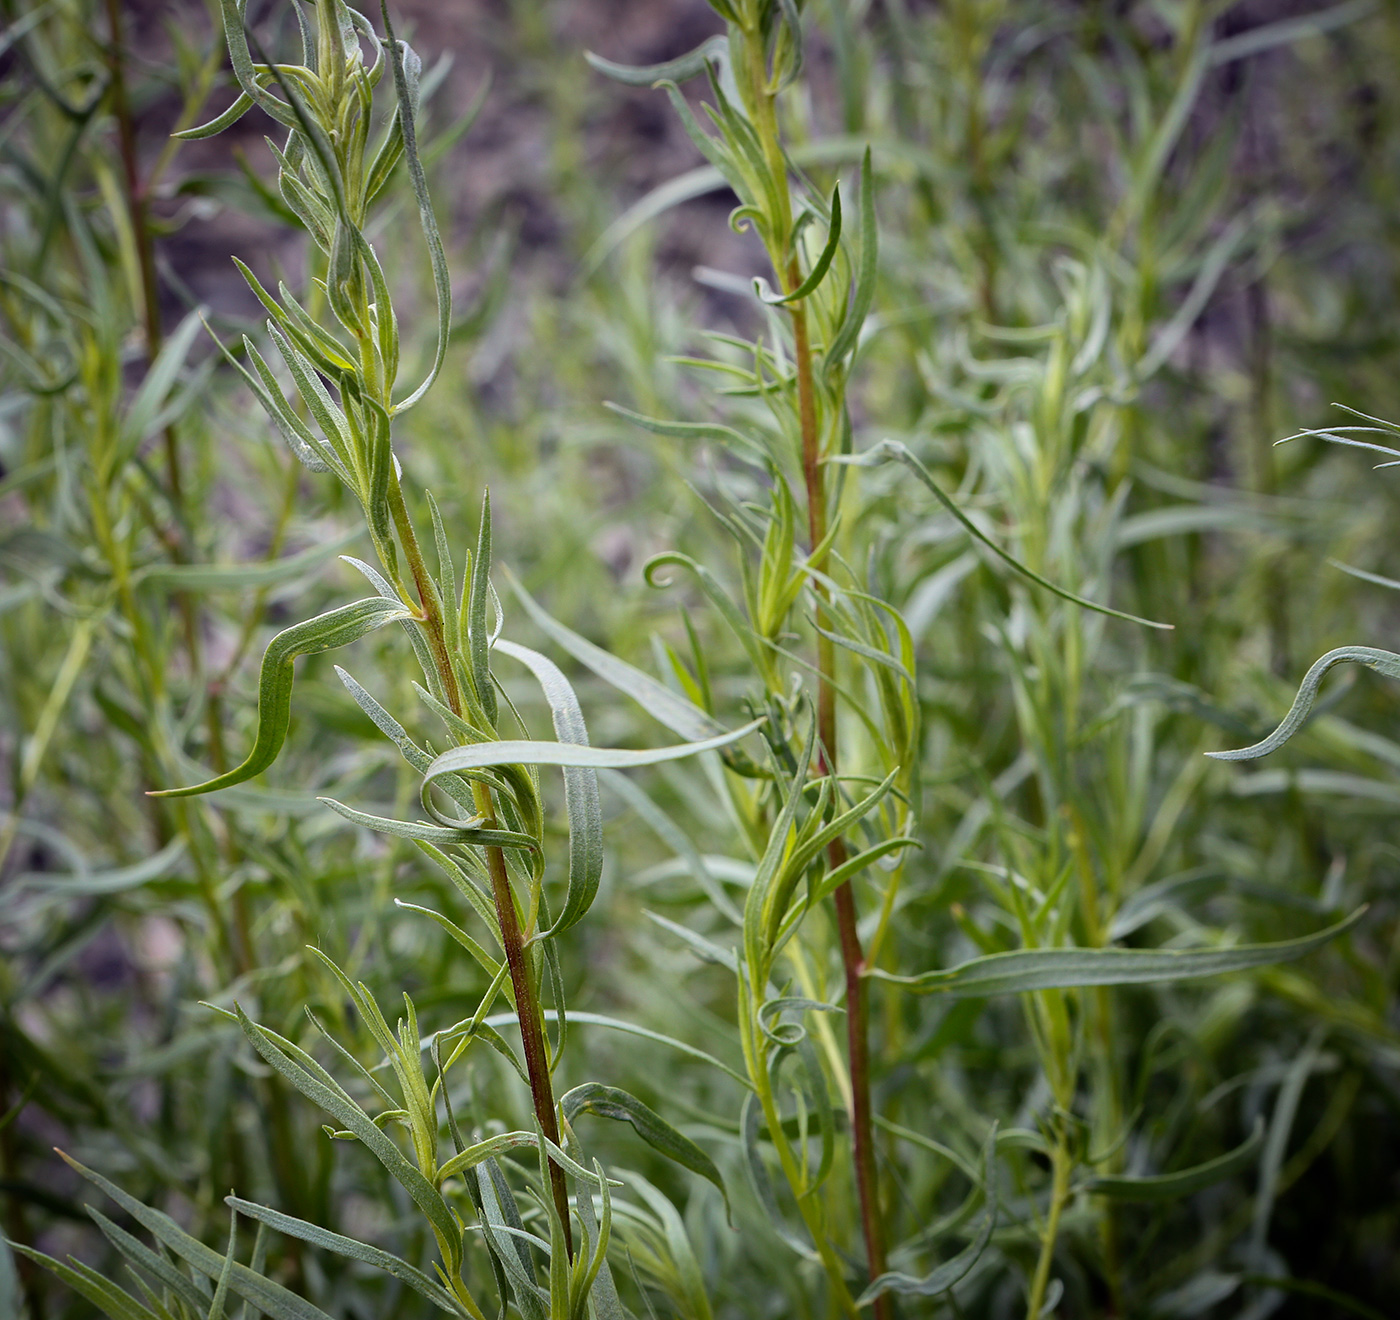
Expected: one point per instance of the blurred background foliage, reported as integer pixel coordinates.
(1125, 247)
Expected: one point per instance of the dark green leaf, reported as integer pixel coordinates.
(1173, 1186)
(611, 1102)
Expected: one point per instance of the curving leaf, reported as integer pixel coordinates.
(580, 788)
(88, 884)
(611, 1102)
(849, 332)
(1171, 1186)
(818, 273)
(951, 1271)
(1057, 969)
(242, 104)
(891, 450)
(666, 707)
(678, 70)
(690, 430)
(1383, 662)
(337, 627)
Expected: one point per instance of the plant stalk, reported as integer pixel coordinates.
(527, 1005)
(852, 956)
(1059, 1195)
(762, 96)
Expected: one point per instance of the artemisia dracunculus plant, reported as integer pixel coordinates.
(483, 819)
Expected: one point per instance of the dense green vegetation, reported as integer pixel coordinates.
(774, 864)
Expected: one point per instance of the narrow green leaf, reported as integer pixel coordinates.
(632, 1029)
(891, 450)
(90, 884)
(666, 707)
(267, 1296)
(87, 1282)
(11, 1291)
(951, 1271)
(157, 1266)
(834, 879)
(509, 752)
(441, 834)
(691, 430)
(478, 635)
(240, 577)
(499, 1213)
(442, 282)
(215, 126)
(676, 838)
(1050, 969)
(751, 1128)
(320, 1090)
(350, 1248)
(705, 950)
(484, 959)
(847, 336)
(818, 272)
(337, 627)
(580, 788)
(143, 414)
(678, 70)
(1383, 662)
(216, 1307)
(611, 1102)
(1173, 1186)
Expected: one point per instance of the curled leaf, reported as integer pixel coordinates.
(951, 1271)
(648, 75)
(610, 1102)
(1383, 662)
(337, 627)
(892, 450)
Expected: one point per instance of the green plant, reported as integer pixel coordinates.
(961, 991)
(492, 846)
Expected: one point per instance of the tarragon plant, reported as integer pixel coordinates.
(834, 666)
(483, 821)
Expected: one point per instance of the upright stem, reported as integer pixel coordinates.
(1059, 1194)
(140, 227)
(761, 99)
(527, 1004)
(852, 956)
(138, 210)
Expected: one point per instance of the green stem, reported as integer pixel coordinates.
(1063, 1166)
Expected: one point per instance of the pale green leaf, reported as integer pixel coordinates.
(1049, 969)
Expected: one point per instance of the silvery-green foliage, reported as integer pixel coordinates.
(339, 419)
